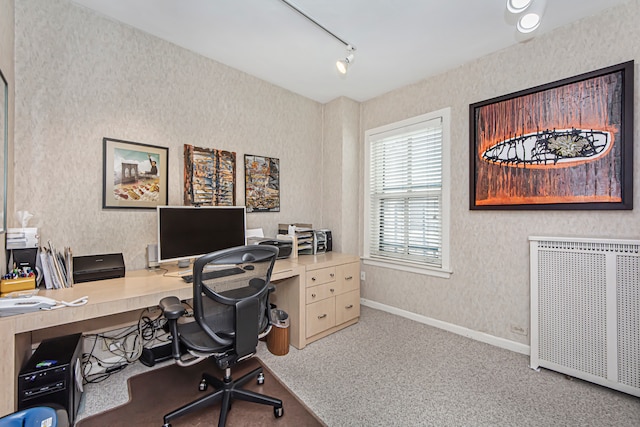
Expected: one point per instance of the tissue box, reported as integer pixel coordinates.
(17, 284)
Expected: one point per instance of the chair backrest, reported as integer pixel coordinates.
(36, 416)
(233, 309)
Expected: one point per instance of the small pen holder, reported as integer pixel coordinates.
(17, 284)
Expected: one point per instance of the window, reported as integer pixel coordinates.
(407, 194)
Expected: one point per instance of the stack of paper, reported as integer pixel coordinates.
(303, 234)
(56, 266)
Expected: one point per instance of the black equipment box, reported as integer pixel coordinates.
(53, 375)
(97, 267)
(284, 246)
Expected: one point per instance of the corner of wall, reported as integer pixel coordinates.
(7, 65)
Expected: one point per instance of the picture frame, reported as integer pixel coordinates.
(261, 183)
(4, 146)
(209, 176)
(135, 175)
(565, 145)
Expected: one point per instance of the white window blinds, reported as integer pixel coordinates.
(405, 193)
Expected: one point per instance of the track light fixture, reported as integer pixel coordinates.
(517, 6)
(528, 12)
(341, 64)
(528, 23)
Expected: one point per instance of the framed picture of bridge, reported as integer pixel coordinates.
(562, 145)
(134, 175)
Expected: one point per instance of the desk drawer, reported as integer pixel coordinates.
(347, 306)
(318, 293)
(349, 274)
(321, 316)
(323, 275)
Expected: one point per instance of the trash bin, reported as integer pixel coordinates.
(278, 338)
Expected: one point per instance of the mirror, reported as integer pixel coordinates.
(4, 134)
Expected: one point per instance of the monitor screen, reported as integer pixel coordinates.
(186, 232)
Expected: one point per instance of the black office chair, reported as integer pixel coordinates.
(231, 312)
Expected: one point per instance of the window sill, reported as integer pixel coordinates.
(410, 268)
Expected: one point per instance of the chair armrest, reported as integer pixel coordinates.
(172, 308)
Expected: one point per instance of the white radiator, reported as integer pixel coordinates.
(585, 309)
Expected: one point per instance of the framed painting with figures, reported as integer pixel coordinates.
(134, 175)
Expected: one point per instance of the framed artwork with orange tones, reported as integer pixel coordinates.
(209, 177)
(562, 145)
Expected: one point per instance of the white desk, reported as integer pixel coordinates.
(114, 301)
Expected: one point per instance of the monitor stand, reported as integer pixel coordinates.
(183, 263)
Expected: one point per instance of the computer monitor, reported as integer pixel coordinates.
(188, 232)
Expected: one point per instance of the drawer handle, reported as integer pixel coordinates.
(313, 279)
(313, 295)
(332, 290)
(322, 316)
(349, 306)
(332, 275)
(348, 278)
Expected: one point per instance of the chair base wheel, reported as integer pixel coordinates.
(278, 412)
(226, 392)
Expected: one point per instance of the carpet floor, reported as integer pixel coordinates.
(162, 390)
(387, 370)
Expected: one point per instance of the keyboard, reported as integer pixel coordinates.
(214, 274)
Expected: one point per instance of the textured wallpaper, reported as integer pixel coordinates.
(341, 177)
(489, 288)
(81, 77)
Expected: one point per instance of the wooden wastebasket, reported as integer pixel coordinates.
(278, 338)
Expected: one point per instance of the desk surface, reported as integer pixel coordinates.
(138, 290)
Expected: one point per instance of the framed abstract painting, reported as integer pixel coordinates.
(562, 145)
(262, 183)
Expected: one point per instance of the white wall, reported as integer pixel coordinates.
(489, 288)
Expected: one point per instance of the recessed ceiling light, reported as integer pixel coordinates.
(528, 23)
(517, 6)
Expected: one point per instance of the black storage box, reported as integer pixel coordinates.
(97, 267)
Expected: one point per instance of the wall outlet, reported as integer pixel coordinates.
(519, 330)
(111, 344)
(363, 276)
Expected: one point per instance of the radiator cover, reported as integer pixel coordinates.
(585, 309)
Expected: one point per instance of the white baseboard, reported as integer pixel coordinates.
(460, 330)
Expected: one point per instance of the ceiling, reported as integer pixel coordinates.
(398, 42)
